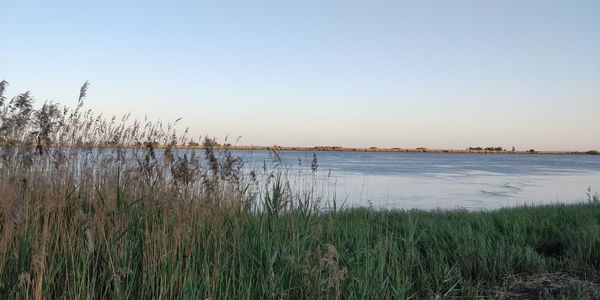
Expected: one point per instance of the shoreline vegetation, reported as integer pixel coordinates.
(216, 146)
(376, 149)
(135, 252)
(81, 218)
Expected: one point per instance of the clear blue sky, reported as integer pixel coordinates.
(437, 74)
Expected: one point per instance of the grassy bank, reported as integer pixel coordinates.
(140, 251)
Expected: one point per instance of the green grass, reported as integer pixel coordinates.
(353, 254)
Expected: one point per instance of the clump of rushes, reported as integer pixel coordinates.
(72, 180)
(111, 208)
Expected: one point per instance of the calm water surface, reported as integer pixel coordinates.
(440, 180)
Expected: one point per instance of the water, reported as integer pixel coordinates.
(441, 180)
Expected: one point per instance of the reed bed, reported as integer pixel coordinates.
(91, 208)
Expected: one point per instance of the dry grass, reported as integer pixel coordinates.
(69, 177)
(534, 286)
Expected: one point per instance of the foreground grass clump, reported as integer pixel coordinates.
(138, 250)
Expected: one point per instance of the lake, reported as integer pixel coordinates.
(438, 180)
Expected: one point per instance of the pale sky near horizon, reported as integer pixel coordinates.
(436, 74)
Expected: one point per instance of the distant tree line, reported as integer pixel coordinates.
(593, 152)
(485, 149)
(328, 148)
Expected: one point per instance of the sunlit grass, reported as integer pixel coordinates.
(147, 251)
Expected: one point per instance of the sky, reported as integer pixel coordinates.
(435, 74)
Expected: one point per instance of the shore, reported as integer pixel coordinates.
(376, 149)
(332, 149)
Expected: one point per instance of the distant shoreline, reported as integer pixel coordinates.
(374, 149)
(339, 149)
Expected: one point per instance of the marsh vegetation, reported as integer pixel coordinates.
(84, 214)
